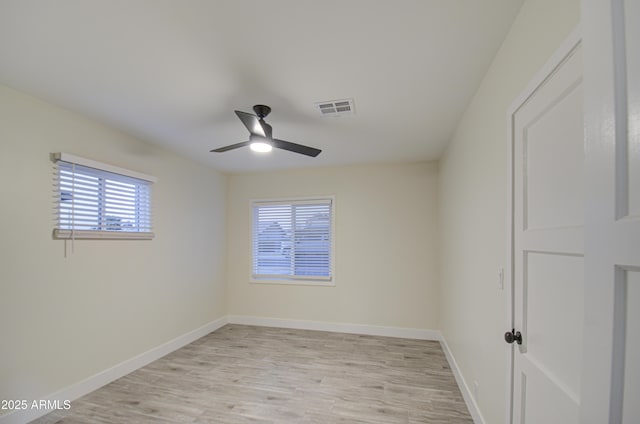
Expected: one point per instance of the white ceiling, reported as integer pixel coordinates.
(173, 71)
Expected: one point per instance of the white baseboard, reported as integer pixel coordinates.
(96, 381)
(472, 406)
(372, 330)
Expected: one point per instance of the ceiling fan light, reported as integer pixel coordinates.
(260, 147)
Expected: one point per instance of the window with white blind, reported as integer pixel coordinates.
(100, 201)
(293, 240)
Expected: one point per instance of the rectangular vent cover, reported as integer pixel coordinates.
(336, 107)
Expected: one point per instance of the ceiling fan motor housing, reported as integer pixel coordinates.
(261, 111)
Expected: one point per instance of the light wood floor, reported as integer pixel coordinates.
(245, 374)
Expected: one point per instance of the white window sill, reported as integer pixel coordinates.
(101, 235)
(293, 282)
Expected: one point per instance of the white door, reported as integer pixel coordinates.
(547, 242)
(611, 359)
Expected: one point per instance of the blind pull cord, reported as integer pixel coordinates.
(73, 208)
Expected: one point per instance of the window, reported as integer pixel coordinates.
(293, 240)
(94, 200)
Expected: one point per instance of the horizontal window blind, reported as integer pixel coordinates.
(96, 203)
(293, 240)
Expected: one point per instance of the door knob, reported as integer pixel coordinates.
(513, 336)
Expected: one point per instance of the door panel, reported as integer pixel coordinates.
(631, 323)
(542, 400)
(553, 318)
(632, 59)
(553, 179)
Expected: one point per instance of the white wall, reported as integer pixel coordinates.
(472, 203)
(65, 319)
(386, 241)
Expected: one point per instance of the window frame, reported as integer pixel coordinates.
(294, 280)
(102, 172)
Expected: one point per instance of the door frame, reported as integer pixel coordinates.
(566, 48)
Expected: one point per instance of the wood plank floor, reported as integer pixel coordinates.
(245, 374)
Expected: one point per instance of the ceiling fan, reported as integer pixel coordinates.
(260, 135)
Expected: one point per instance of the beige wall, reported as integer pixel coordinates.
(385, 264)
(472, 203)
(65, 319)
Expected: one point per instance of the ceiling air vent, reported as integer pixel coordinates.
(336, 107)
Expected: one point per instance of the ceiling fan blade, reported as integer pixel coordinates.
(231, 147)
(252, 123)
(296, 148)
(267, 129)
